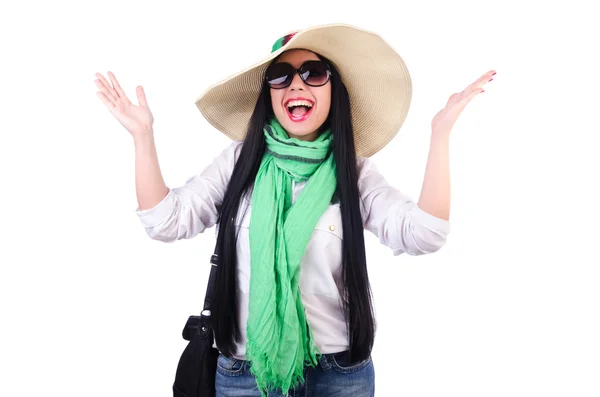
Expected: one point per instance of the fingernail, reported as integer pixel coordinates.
(490, 79)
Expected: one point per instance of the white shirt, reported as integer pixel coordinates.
(392, 216)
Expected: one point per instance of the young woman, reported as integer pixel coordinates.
(291, 197)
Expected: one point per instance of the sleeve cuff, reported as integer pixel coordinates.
(431, 222)
(159, 213)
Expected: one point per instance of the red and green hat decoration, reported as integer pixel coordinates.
(282, 41)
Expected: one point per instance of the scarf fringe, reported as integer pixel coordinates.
(264, 369)
(266, 382)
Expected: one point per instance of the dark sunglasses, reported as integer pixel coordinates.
(313, 73)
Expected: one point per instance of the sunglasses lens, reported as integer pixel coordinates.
(315, 73)
(279, 75)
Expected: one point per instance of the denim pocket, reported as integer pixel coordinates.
(340, 363)
(229, 366)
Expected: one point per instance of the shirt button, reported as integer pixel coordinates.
(331, 227)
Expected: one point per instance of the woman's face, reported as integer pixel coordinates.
(299, 123)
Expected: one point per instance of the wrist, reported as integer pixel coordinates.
(440, 138)
(440, 134)
(143, 138)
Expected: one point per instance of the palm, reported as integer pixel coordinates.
(132, 117)
(135, 118)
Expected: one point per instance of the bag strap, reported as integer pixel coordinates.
(212, 280)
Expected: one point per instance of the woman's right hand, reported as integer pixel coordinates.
(137, 120)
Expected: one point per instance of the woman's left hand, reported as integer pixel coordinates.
(445, 119)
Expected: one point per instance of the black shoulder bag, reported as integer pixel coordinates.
(195, 376)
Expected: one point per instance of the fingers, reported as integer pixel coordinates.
(483, 79)
(107, 102)
(106, 89)
(116, 85)
(141, 96)
(105, 93)
(477, 86)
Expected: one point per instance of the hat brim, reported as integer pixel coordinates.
(377, 79)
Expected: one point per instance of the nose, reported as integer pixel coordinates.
(297, 83)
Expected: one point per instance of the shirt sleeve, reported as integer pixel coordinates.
(395, 218)
(192, 208)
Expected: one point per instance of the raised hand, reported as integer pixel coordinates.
(445, 119)
(137, 120)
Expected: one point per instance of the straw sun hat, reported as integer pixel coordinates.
(376, 77)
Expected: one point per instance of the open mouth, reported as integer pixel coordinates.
(299, 110)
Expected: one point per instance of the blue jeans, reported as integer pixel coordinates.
(333, 376)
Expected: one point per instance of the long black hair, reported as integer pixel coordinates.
(356, 296)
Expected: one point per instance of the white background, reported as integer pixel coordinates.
(509, 307)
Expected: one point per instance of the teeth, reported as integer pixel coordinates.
(299, 103)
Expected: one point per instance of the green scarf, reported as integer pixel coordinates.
(280, 341)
